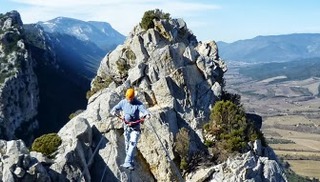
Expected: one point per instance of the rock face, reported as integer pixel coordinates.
(18, 83)
(178, 79)
(250, 166)
(17, 164)
(176, 76)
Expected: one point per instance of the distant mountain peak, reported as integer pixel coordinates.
(101, 33)
(272, 48)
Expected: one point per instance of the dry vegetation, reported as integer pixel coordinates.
(291, 117)
(306, 167)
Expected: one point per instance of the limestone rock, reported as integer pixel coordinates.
(16, 163)
(19, 94)
(71, 161)
(176, 76)
(178, 79)
(243, 167)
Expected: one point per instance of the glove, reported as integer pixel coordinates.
(113, 113)
(147, 116)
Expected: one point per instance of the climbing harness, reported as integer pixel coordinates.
(177, 172)
(131, 123)
(162, 145)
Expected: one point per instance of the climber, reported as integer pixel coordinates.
(131, 109)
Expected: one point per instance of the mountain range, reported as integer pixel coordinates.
(79, 46)
(274, 48)
(65, 54)
(291, 70)
(179, 78)
(99, 33)
(68, 53)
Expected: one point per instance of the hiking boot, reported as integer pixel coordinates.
(127, 166)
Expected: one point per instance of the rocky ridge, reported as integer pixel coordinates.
(19, 94)
(179, 79)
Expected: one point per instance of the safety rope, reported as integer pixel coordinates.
(104, 171)
(129, 178)
(167, 155)
(105, 168)
(85, 170)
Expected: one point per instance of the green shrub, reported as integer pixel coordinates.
(206, 127)
(123, 67)
(234, 98)
(5, 74)
(232, 129)
(99, 83)
(208, 143)
(72, 115)
(148, 16)
(46, 144)
(181, 146)
(183, 164)
(130, 54)
(12, 39)
(227, 117)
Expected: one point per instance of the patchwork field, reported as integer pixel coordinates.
(291, 117)
(305, 167)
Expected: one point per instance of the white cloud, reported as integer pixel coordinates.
(121, 14)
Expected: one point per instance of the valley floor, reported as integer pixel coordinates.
(291, 117)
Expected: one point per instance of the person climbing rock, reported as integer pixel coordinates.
(131, 109)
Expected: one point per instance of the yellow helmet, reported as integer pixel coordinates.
(130, 93)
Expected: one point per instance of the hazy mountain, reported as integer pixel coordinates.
(292, 70)
(100, 33)
(61, 89)
(68, 53)
(276, 48)
(79, 46)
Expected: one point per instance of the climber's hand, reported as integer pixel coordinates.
(147, 116)
(113, 113)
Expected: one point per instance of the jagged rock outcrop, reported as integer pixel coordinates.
(176, 76)
(17, 164)
(19, 95)
(258, 164)
(179, 79)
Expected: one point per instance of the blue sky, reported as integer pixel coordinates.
(219, 20)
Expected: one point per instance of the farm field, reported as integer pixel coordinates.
(305, 167)
(290, 112)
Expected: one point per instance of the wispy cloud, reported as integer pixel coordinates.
(219, 20)
(121, 14)
(72, 3)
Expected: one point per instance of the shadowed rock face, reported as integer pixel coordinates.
(19, 95)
